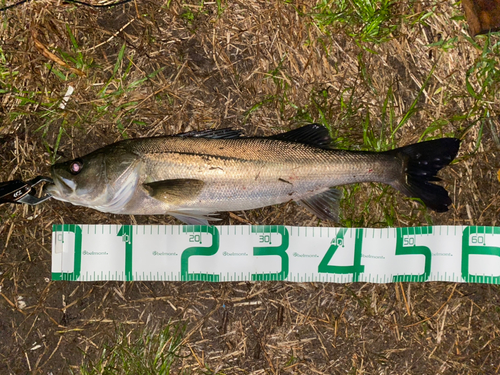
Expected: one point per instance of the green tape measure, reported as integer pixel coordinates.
(259, 253)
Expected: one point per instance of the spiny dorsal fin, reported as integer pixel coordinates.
(225, 133)
(314, 135)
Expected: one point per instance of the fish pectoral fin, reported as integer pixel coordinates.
(192, 217)
(324, 205)
(314, 135)
(174, 190)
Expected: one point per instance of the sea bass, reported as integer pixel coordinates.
(194, 175)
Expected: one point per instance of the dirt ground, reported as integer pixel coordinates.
(151, 68)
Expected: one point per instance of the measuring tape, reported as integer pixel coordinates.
(258, 253)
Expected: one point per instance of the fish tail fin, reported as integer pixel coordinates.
(422, 161)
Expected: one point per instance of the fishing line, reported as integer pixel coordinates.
(69, 2)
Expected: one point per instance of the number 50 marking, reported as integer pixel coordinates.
(405, 245)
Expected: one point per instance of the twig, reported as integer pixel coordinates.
(437, 312)
(404, 297)
(111, 37)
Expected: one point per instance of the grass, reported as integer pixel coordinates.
(116, 89)
(365, 21)
(483, 84)
(111, 101)
(6, 75)
(73, 59)
(483, 77)
(157, 352)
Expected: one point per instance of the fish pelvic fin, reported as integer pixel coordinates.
(192, 217)
(325, 205)
(422, 161)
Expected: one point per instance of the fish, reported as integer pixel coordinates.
(193, 176)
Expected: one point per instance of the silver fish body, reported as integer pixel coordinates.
(193, 177)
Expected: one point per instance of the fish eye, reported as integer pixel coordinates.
(76, 166)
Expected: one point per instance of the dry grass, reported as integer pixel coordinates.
(151, 68)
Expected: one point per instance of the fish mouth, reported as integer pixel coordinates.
(50, 189)
(60, 187)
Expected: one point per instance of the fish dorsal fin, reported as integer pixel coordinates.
(324, 205)
(225, 133)
(314, 135)
(172, 191)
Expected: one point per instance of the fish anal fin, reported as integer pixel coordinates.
(314, 135)
(324, 205)
(174, 190)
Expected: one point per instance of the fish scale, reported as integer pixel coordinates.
(263, 172)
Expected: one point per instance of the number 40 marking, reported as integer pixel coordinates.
(356, 268)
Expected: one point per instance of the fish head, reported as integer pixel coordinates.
(104, 180)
